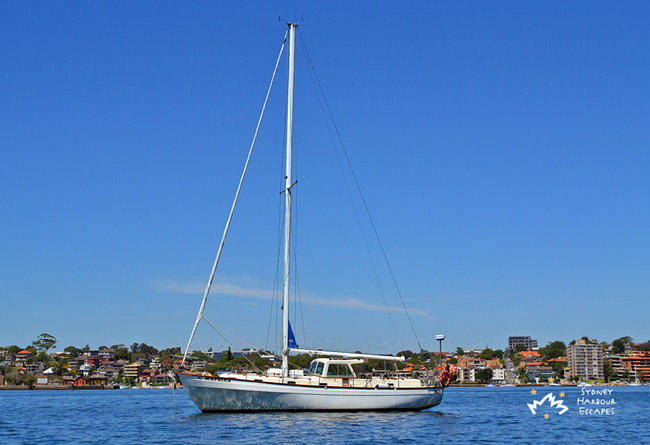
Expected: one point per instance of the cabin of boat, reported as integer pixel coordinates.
(329, 372)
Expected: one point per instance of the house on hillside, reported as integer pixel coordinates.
(97, 379)
(33, 368)
(24, 354)
(530, 356)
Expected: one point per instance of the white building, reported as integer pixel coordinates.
(498, 375)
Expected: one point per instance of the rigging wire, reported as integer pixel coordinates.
(358, 187)
(297, 296)
(232, 209)
(228, 341)
(277, 273)
(296, 278)
(276, 283)
(347, 187)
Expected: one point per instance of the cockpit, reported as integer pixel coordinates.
(341, 368)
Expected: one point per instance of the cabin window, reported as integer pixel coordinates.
(319, 368)
(312, 368)
(335, 370)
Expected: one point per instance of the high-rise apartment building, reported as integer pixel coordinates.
(585, 360)
(522, 340)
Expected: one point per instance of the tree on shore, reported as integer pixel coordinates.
(645, 346)
(73, 351)
(608, 371)
(484, 375)
(44, 342)
(618, 345)
(406, 354)
(553, 350)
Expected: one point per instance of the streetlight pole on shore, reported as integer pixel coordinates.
(440, 338)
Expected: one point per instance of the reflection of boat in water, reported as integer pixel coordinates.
(332, 383)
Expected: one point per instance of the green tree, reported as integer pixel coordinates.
(28, 379)
(406, 354)
(553, 350)
(618, 345)
(558, 369)
(300, 361)
(426, 355)
(13, 376)
(122, 353)
(520, 348)
(148, 350)
(486, 354)
(484, 375)
(44, 342)
(521, 373)
(73, 351)
(200, 355)
(608, 370)
(645, 346)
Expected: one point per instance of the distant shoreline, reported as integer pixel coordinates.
(54, 387)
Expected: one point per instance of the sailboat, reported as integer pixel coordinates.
(636, 379)
(332, 383)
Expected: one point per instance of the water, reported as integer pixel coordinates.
(485, 415)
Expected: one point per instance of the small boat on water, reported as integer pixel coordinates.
(332, 384)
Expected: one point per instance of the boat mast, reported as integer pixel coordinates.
(287, 204)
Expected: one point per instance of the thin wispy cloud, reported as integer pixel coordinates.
(235, 290)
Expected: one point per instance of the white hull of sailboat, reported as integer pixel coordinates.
(214, 394)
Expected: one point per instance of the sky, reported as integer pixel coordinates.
(501, 148)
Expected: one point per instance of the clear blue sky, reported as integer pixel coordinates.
(503, 150)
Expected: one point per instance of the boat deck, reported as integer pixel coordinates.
(331, 382)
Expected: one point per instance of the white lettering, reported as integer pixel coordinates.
(596, 392)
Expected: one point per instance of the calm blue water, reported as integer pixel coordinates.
(485, 415)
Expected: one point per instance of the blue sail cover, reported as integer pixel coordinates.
(292, 339)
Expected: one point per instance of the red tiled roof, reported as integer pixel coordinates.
(529, 353)
(25, 351)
